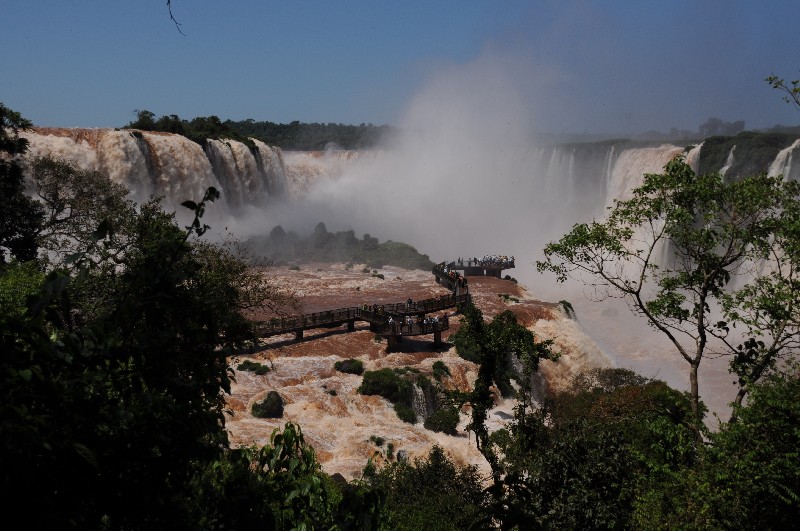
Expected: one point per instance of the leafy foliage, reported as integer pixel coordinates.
(313, 136)
(439, 370)
(292, 136)
(387, 383)
(576, 461)
(198, 129)
(444, 420)
(432, 493)
(350, 366)
(749, 477)
(343, 246)
(269, 408)
(278, 486)
(107, 413)
(398, 386)
(253, 366)
(713, 227)
(76, 203)
(405, 413)
(20, 216)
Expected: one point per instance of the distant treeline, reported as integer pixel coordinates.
(312, 137)
(282, 247)
(292, 136)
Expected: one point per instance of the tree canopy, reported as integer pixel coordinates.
(674, 250)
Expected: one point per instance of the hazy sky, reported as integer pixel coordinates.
(593, 67)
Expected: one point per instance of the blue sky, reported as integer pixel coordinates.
(579, 67)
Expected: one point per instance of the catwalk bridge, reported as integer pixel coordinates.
(393, 321)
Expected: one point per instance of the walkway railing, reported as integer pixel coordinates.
(377, 315)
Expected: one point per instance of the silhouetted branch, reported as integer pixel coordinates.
(177, 24)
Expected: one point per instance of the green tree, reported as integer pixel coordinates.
(580, 460)
(278, 486)
(75, 203)
(107, 415)
(431, 493)
(708, 228)
(749, 477)
(791, 89)
(20, 216)
(494, 346)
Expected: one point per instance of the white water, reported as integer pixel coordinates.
(171, 166)
(786, 163)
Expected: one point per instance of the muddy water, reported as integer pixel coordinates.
(340, 423)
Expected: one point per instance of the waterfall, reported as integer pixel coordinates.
(419, 402)
(783, 163)
(169, 165)
(728, 162)
(628, 171)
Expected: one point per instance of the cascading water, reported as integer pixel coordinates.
(728, 162)
(631, 165)
(169, 165)
(419, 402)
(785, 164)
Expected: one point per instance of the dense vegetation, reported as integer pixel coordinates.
(197, 130)
(281, 246)
(292, 136)
(269, 408)
(314, 136)
(350, 366)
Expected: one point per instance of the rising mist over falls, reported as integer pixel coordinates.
(488, 195)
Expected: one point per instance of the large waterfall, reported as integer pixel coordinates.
(169, 165)
(583, 177)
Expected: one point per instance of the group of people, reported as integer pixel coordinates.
(423, 324)
(457, 279)
(489, 260)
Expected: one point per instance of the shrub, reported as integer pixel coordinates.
(252, 366)
(405, 413)
(388, 384)
(443, 420)
(568, 308)
(350, 366)
(269, 408)
(377, 440)
(440, 370)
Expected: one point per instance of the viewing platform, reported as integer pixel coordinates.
(489, 266)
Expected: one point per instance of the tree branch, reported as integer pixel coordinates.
(171, 16)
